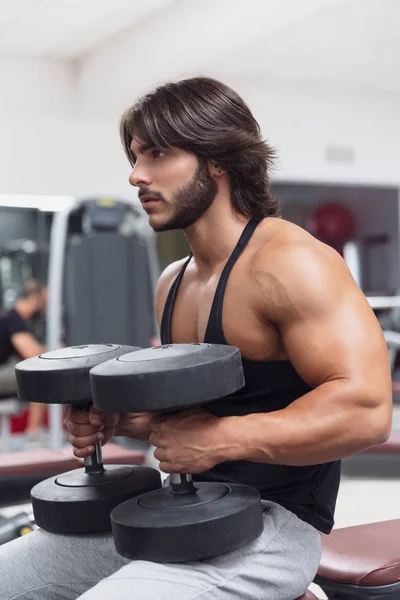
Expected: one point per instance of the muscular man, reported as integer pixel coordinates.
(17, 343)
(315, 362)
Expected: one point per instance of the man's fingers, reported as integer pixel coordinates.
(111, 419)
(168, 467)
(96, 416)
(82, 430)
(84, 452)
(154, 439)
(108, 434)
(87, 428)
(156, 421)
(85, 441)
(160, 454)
(76, 415)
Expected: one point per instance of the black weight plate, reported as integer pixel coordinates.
(165, 378)
(62, 376)
(85, 507)
(162, 527)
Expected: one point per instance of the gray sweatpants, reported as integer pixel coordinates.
(279, 565)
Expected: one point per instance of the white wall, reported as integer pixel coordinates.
(46, 145)
(304, 122)
(52, 155)
(182, 37)
(35, 88)
(54, 141)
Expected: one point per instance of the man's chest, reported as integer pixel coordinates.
(234, 308)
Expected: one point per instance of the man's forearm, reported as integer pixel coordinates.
(330, 422)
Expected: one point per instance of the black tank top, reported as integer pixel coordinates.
(310, 491)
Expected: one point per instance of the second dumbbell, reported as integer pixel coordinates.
(81, 500)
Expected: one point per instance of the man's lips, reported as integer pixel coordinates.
(147, 199)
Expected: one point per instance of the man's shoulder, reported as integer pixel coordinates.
(9, 315)
(282, 243)
(292, 269)
(164, 284)
(12, 321)
(170, 272)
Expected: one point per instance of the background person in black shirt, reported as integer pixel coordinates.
(17, 343)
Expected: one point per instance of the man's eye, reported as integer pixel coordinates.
(157, 153)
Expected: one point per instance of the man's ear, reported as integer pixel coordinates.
(215, 169)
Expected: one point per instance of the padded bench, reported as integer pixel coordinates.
(20, 471)
(396, 387)
(47, 462)
(382, 460)
(361, 562)
(9, 407)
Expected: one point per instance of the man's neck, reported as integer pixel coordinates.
(213, 238)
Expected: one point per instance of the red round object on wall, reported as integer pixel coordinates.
(332, 223)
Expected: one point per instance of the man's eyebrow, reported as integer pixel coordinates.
(143, 148)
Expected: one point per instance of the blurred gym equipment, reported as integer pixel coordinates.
(110, 245)
(333, 224)
(102, 273)
(20, 260)
(15, 526)
(110, 270)
(10, 405)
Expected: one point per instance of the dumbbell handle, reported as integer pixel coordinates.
(181, 484)
(93, 462)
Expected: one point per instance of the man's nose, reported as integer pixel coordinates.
(139, 177)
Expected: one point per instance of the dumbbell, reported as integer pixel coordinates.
(81, 500)
(186, 520)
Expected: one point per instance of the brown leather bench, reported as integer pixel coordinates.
(382, 460)
(46, 462)
(391, 445)
(362, 562)
(396, 387)
(9, 406)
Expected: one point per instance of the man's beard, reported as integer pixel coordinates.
(192, 200)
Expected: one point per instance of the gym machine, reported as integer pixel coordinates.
(16, 526)
(103, 255)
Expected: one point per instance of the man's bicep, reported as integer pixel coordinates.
(342, 341)
(327, 326)
(335, 335)
(26, 345)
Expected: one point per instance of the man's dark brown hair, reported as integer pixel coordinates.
(206, 117)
